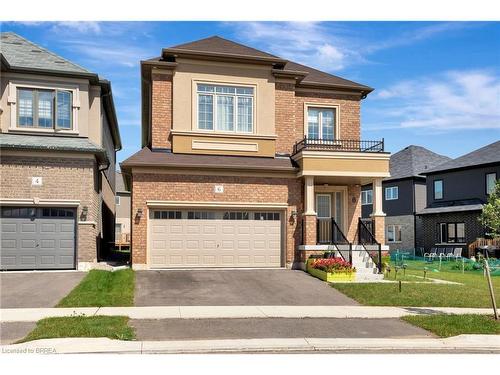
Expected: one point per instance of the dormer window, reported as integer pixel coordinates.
(225, 108)
(44, 109)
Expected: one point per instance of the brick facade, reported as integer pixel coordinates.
(379, 222)
(428, 237)
(63, 178)
(196, 188)
(161, 110)
(407, 223)
(285, 120)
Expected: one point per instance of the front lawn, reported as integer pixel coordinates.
(102, 288)
(453, 325)
(473, 293)
(114, 327)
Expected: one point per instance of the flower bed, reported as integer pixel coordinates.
(331, 270)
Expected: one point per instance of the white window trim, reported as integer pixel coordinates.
(391, 188)
(365, 191)
(494, 182)
(307, 105)
(12, 100)
(329, 208)
(434, 189)
(394, 229)
(215, 131)
(117, 200)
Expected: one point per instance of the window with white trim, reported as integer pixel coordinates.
(321, 123)
(391, 193)
(491, 180)
(393, 233)
(366, 197)
(117, 200)
(225, 108)
(438, 189)
(44, 109)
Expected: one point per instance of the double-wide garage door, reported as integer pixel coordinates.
(37, 238)
(191, 238)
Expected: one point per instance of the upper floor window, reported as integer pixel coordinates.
(366, 196)
(321, 123)
(391, 193)
(44, 109)
(225, 108)
(438, 189)
(491, 180)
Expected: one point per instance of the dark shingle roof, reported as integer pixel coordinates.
(223, 46)
(216, 45)
(49, 143)
(448, 209)
(412, 161)
(485, 155)
(21, 53)
(161, 158)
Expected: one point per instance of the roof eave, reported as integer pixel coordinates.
(179, 52)
(109, 106)
(363, 90)
(454, 169)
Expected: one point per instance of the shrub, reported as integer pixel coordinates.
(333, 265)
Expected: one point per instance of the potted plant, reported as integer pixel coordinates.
(331, 269)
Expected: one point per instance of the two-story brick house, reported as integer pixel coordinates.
(404, 194)
(456, 193)
(59, 137)
(248, 160)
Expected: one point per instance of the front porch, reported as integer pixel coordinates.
(333, 173)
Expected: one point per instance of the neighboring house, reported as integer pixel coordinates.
(122, 201)
(248, 160)
(59, 137)
(403, 194)
(456, 193)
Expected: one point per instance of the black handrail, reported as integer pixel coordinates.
(366, 237)
(322, 144)
(336, 233)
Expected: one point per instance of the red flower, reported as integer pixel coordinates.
(332, 265)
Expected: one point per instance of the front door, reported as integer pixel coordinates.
(329, 206)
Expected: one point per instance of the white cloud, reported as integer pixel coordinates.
(446, 102)
(78, 26)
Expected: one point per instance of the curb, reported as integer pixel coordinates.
(462, 343)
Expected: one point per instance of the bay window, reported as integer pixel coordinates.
(44, 109)
(225, 108)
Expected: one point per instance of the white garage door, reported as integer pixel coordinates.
(214, 239)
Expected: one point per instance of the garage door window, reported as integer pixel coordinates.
(201, 215)
(236, 215)
(18, 212)
(266, 216)
(56, 212)
(167, 214)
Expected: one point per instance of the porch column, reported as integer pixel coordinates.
(378, 215)
(309, 217)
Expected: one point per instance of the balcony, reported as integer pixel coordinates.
(350, 161)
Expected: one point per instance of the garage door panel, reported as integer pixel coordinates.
(207, 240)
(37, 241)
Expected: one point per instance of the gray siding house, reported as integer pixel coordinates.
(456, 193)
(404, 194)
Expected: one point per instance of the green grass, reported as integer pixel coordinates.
(453, 325)
(473, 293)
(102, 288)
(114, 327)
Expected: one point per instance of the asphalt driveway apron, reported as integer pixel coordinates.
(258, 287)
(36, 289)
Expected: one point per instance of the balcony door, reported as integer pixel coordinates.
(328, 206)
(321, 124)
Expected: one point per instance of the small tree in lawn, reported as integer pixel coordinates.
(490, 217)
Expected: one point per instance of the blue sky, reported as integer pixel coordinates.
(437, 84)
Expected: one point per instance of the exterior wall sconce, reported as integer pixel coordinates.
(294, 214)
(85, 212)
(138, 215)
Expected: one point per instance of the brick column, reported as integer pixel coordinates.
(161, 109)
(379, 223)
(309, 229)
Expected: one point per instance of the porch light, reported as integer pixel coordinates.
(85, 211)
(138, 215)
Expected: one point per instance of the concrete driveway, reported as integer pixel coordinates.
(234, 287)
(36, 289)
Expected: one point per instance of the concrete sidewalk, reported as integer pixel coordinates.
(214, 312)
(457, 344)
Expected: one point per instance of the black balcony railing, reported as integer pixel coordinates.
(318, 144)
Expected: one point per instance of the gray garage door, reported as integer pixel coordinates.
(37, 238)
(195, 238)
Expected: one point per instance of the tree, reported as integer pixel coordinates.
(490, 217)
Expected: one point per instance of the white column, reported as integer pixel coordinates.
(377, 198)
(309, 195)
